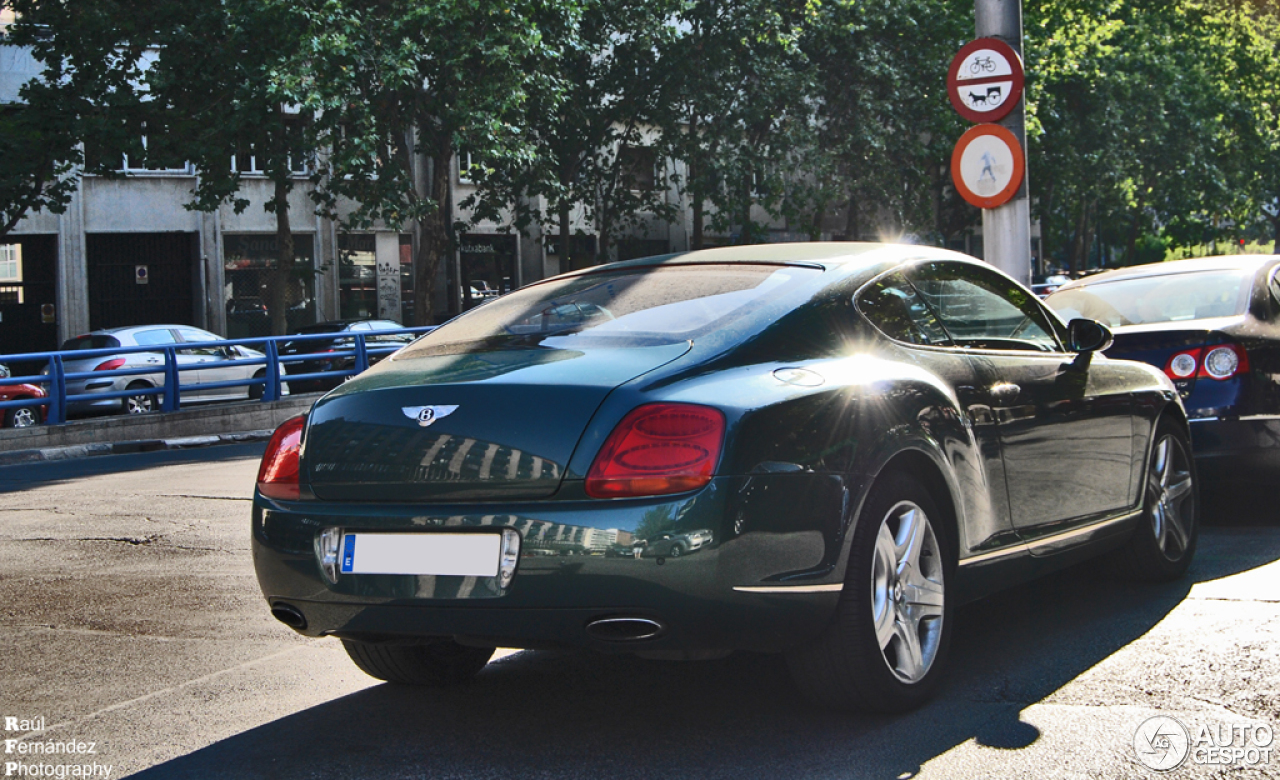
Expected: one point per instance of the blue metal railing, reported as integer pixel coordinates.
(163, 370)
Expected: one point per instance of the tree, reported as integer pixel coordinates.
(738, 106)
(220, 85)
(885, 125)
(38, 155)
(86, 91)
(391, 82)
(172, 81)
(586, 138)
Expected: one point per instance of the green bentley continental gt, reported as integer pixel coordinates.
(818, 450)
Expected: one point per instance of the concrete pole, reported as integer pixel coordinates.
(1006, 231)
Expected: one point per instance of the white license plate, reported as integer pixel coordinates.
(457, 555)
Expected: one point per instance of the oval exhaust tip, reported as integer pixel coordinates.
(290, 615)
(625, 629)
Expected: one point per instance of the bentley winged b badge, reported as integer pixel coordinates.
(425, 415)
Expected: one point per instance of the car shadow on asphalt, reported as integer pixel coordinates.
(580, 714)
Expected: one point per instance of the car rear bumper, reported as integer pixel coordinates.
(766, 581)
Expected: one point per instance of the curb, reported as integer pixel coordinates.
(74, 451)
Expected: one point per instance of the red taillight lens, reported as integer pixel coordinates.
(1222, 361)
(110, 365)
(278, 475)
(658, 449)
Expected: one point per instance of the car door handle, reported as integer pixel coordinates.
(153, 360)
(1004, 392)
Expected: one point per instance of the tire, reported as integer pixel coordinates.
(1164, 542)
(886, 648)
(438, 664)
(676, 551)
(139, 404)
(22, 417)
(257, 391)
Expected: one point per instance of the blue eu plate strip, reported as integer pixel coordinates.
(348, 553)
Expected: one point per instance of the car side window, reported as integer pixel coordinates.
(191, 335)
(148, 338)
(892, 305)
(980, 308)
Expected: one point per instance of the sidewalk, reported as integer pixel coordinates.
(197, 427)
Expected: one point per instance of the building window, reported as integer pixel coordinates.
(639, 166)
(246, 160)
(357, 276)
(147, 152)
(11, 273)
(469, 168)
(249, 264)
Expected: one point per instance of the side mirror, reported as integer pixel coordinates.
(1088, 336)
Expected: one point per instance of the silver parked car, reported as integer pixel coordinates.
(160, 336)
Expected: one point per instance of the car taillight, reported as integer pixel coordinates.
(1224, 362)
(110, 365)
(278, 475)
(1217, 362)
(658, 449)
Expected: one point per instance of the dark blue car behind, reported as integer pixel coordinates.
(1213, 326)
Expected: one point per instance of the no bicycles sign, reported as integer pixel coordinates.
(985, 80)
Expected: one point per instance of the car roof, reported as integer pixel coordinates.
(135, 328)
(827, 255)
(1218, 263)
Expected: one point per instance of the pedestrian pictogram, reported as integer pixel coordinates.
(985, 80)
(987, 166)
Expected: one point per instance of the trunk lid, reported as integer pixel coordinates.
(1157, 344)
(493, 425)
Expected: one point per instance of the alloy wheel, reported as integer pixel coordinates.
(908, 593)
(25, 418)
(1169, 488)
(138, 404)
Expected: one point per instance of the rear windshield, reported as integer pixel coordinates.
(1169, 298)
(629, 307)
(91, 342)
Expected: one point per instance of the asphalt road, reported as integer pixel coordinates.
(130, 618)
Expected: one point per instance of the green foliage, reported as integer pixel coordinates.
(1153, 124)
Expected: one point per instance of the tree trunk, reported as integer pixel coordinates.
(435, 235)
(1131, 245)
(1046, 228)
(1077, 240)
(1275, 240)
(699, 218)
(564, 252)
(281, 278)
(819, 216)
(851, 218)
(695, 188)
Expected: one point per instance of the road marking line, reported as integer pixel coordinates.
(154, 694)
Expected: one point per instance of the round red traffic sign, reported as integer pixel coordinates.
(985, 80)
(987, 166)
